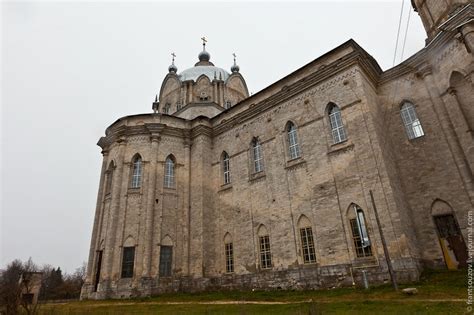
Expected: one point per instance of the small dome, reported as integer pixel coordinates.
(235, 68)
(172, 68)
(204, 56)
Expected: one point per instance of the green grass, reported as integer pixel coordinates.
(439, 292)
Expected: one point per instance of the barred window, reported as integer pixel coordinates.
(128, 257)
(293, 147)
(307, 244)
(360, 235)
(411, 122)
(166, 256)
(137, 172)
(169, 172)
(337, 128)
(226, 167)
(265, 253)
(257, 156)
(229, 257)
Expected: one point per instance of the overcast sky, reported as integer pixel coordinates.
(70, 69)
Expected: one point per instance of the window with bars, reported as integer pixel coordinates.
(307, 245)
(410, 121)
(226, 168)
(360, 235)
(169, 172)
(229, 257)
(337, 128)
(265, 253)
(136, 172)
(257, 156)
(128, 257)
(166, 256)
(293, 146)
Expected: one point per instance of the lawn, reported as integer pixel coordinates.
(439, 292)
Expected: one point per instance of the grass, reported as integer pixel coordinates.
(439, 292)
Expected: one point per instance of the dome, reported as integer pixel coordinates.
(204, 56)
(210, 71)
(173, 68)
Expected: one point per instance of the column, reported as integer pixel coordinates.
(111, 239)
(150, 207)
(448, 130)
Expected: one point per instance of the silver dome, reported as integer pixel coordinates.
(209, 71)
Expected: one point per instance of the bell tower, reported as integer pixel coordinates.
(435, 13)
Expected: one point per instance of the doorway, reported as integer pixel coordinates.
(451, 241)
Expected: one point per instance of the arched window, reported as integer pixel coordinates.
(169, 172)
(136, 172)
(226, 167)
(293, 147)
(337, 128)
(411, 121)
(257, 156)
(360, 235)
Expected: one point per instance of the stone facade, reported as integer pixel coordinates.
(171, 219)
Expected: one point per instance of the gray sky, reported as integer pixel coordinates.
(70, 69)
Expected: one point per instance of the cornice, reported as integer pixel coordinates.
(356, 58)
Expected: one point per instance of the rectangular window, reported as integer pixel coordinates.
(258, 158)
(307, 245)
(363, 248)
(166, 255)
(229, 257)
(293, 144)
(265, 253)
(338, 132)
(128, 257)
(226, 167)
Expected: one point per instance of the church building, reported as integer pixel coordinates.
(335, 172)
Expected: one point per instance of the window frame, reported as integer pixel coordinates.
(410, 120)
(338, 131)
(165, 267)
(360, 234)
(128, 266)
(137, 172)
(308, 249)
(225, 162)
(294, 151)
(258, 164)
(265, 252)
(229, 257)
(169, 178)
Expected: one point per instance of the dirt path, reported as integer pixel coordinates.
(263, 302)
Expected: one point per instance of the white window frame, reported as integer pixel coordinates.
(337, 127)
(169, 178)
(226, 168)
(137, 170)
(293, 146)
(411, 121)
(257, 156)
